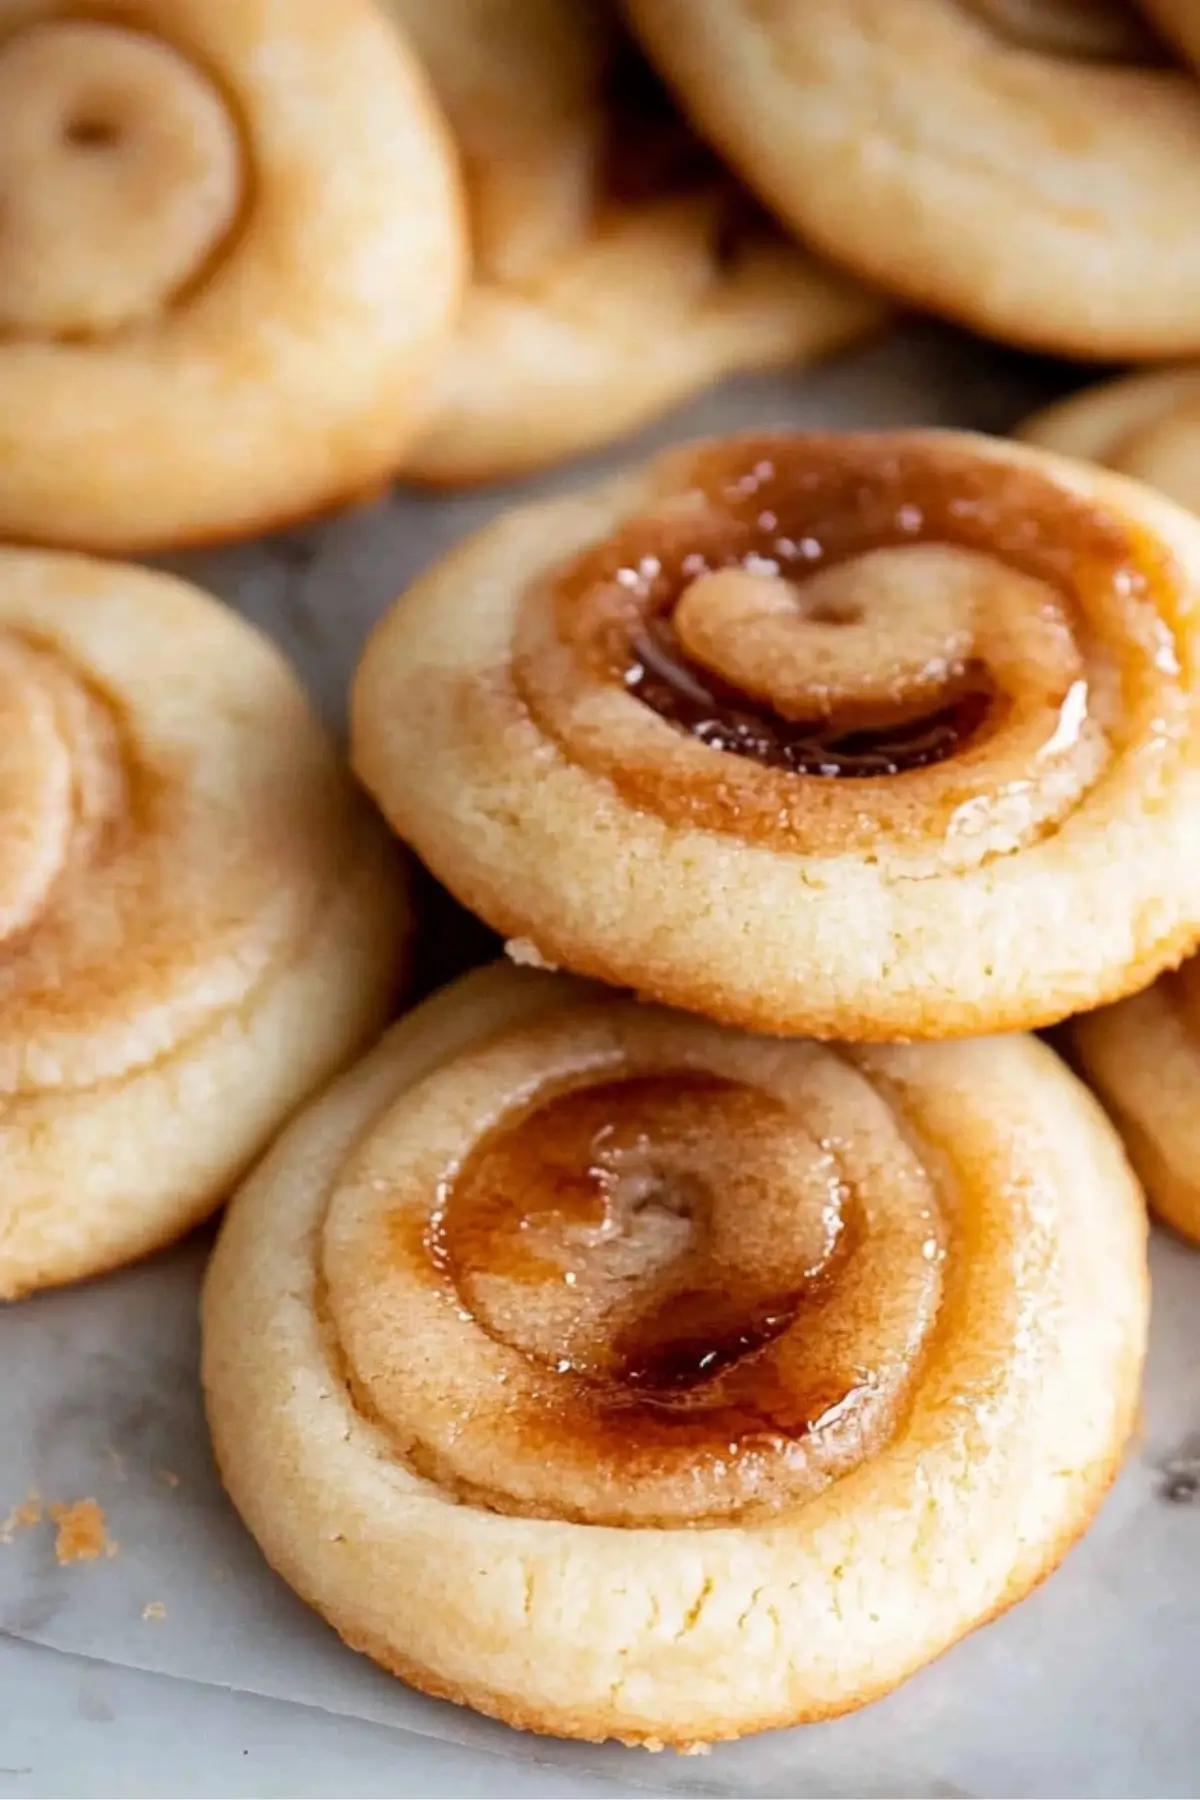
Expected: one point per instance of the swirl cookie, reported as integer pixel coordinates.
(622, 1376)
(900, 140)
(617, 268)
(1144, 425)
(230, 247)
(1142, 1056)
(856, 736)
(200, 920)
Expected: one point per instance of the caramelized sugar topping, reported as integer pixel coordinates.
(622, 1268)
(900, 610)
(801, 509)
(698, 701)
(675, 1289)
(604, 1198)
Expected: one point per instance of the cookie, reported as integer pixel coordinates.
(617, 268)
(857, 736)
(1030, 171)
(231, 247)
(535, 1356)
(201, 921)
(1143, 1059)
(1145, 425)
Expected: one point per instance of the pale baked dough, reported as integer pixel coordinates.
(200, 919)
(1145, 425)
(1025, 625)
(1143, 1058)
(1031, 171)
(625, 1377)
(593, 309)
(231, 250)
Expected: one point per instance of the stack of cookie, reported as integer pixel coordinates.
(700, 1319)
(700, 1351)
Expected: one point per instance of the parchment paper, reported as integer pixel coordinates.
(1089, 1688)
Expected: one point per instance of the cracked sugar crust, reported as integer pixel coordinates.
(387, 1331)
(1036, 181)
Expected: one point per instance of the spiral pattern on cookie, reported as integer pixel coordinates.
(229, 246)
(617, 268)
(859, 736)
(655, 1366)
(899, 141)
(198, 920)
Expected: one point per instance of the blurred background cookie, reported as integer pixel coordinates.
(200, 919)
(230, 250)
(861, 736)
(1031, 171)
(623, 1376)
(1142, 1056)
(617, 267)
(1147, 425)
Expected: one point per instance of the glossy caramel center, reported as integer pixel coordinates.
(598, 1234)
(957, 632)
(620, 1267)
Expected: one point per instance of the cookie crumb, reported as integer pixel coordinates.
(1179, 1473)
(154, 1609)
(82, 1532)
(27, 1512)
(168, 1477)
(525, 953)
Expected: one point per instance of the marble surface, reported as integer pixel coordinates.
(70, 1727)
